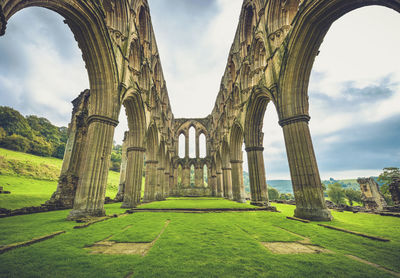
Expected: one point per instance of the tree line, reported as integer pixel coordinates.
(38, 136)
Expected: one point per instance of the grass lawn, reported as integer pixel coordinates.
(199, 245)
(193, 203)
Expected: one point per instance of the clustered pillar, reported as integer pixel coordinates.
(151, 180)
(258, 184)
(90, 194)
(310, 202)
(133, 181)
(227, 182)
(237, 181)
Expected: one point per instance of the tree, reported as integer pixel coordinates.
(286, 196)
(39, 146)
(385, 179)
(16, 142)
(352, 195)
(14, 123)
(273, 194)
(336, 193)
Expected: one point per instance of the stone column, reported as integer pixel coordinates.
(151, 180)
(134, 170)
(227, 178)
(122, 176)
(172, 183)
(187, 145)
(197, 146)
(71, 169)
(159, 194)
(220, 189)
(198, 176)
(258, 182)
(166, 184)
(310, 202)
(185, 176)
(237, 181)
(214, 185)
(90, 194)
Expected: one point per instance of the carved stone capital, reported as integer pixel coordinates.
(294, 119)
(252, 149)
(236, 161)
(102, 119)
(226, 168)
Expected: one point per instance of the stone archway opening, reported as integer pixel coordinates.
(59, 74)
(366, 82)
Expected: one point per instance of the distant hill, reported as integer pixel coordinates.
(285, 186)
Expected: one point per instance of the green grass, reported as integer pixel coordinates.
(195, 203)
(32, 179)
(198, 245)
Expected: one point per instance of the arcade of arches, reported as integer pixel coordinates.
(269, 63)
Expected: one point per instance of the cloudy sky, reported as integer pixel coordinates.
(354, 87)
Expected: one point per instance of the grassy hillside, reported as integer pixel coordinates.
(32, 179)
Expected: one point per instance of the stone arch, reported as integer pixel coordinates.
(192, 140)
(202, 144)
(253, 138)
(96, 43)
(135, 149)
(254, 117)
(90, 31)
(310, 27)
(181, 145)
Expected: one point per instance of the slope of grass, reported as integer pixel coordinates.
(32, 179)
(195, 245)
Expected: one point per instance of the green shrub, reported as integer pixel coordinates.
(16, 142)
(273, 194)
(40, 147)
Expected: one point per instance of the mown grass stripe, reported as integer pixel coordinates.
(354, 233)
(10, 247)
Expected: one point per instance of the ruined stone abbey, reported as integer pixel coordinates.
(269, 63)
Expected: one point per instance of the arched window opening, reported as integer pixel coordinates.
(202, 145)
(192, 180)
(143, 25)
(192, 142)
(205, 175)
(181, 145)
(247, 28)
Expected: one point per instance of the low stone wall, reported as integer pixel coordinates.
(193, 192)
